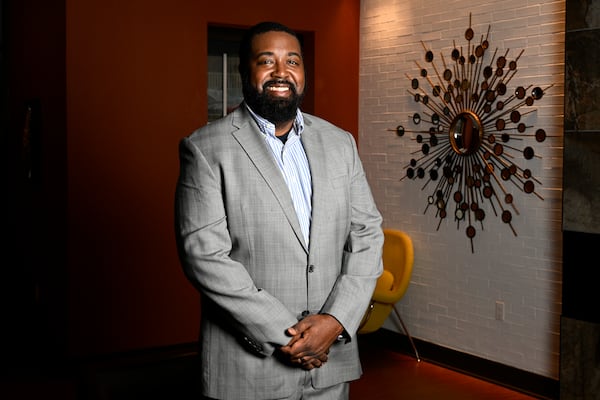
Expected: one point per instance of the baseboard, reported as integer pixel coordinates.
(514, 378)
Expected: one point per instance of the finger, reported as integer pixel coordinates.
(313, 363)
(301, 347)
(316, 360)
(300, 326)
(292, 331)
(293, 341)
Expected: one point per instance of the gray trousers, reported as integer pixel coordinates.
(306, 391)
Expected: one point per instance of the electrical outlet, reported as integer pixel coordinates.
(499, 310)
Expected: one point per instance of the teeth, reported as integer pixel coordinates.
(278, 88)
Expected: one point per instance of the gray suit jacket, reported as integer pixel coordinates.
(241, 245)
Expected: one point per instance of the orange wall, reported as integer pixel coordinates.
(135, 84)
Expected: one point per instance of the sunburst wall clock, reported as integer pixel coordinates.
(472, 132)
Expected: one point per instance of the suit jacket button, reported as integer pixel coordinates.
(311, 268)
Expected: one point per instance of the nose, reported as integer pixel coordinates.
(280, 71)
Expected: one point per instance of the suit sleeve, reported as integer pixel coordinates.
(204, 246)
(362, 262)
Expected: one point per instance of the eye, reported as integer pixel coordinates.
(265, 61)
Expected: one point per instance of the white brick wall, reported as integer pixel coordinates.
(451, 299)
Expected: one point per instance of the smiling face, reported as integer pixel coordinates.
(276, 56)
(275, 84)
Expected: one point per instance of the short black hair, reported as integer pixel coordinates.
(246, 43)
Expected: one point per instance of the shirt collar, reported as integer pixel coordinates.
(268, 128)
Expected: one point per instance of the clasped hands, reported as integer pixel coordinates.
(311, 339)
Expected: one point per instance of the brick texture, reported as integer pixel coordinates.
(453, 292)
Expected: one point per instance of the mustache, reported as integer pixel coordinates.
(280, 82)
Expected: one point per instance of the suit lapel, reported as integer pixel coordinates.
(252, 141)
(317, 159)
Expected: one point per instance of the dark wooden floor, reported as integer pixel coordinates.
(389, 375)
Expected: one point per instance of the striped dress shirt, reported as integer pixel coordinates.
(292, 162)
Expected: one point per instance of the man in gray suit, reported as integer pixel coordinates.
(277, 228)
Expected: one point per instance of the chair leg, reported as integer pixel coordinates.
(407, 334)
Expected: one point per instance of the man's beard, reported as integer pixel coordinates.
(274, 110)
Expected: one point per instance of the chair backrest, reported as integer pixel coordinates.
(398, 258)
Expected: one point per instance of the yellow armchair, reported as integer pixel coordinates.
(398, 258)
